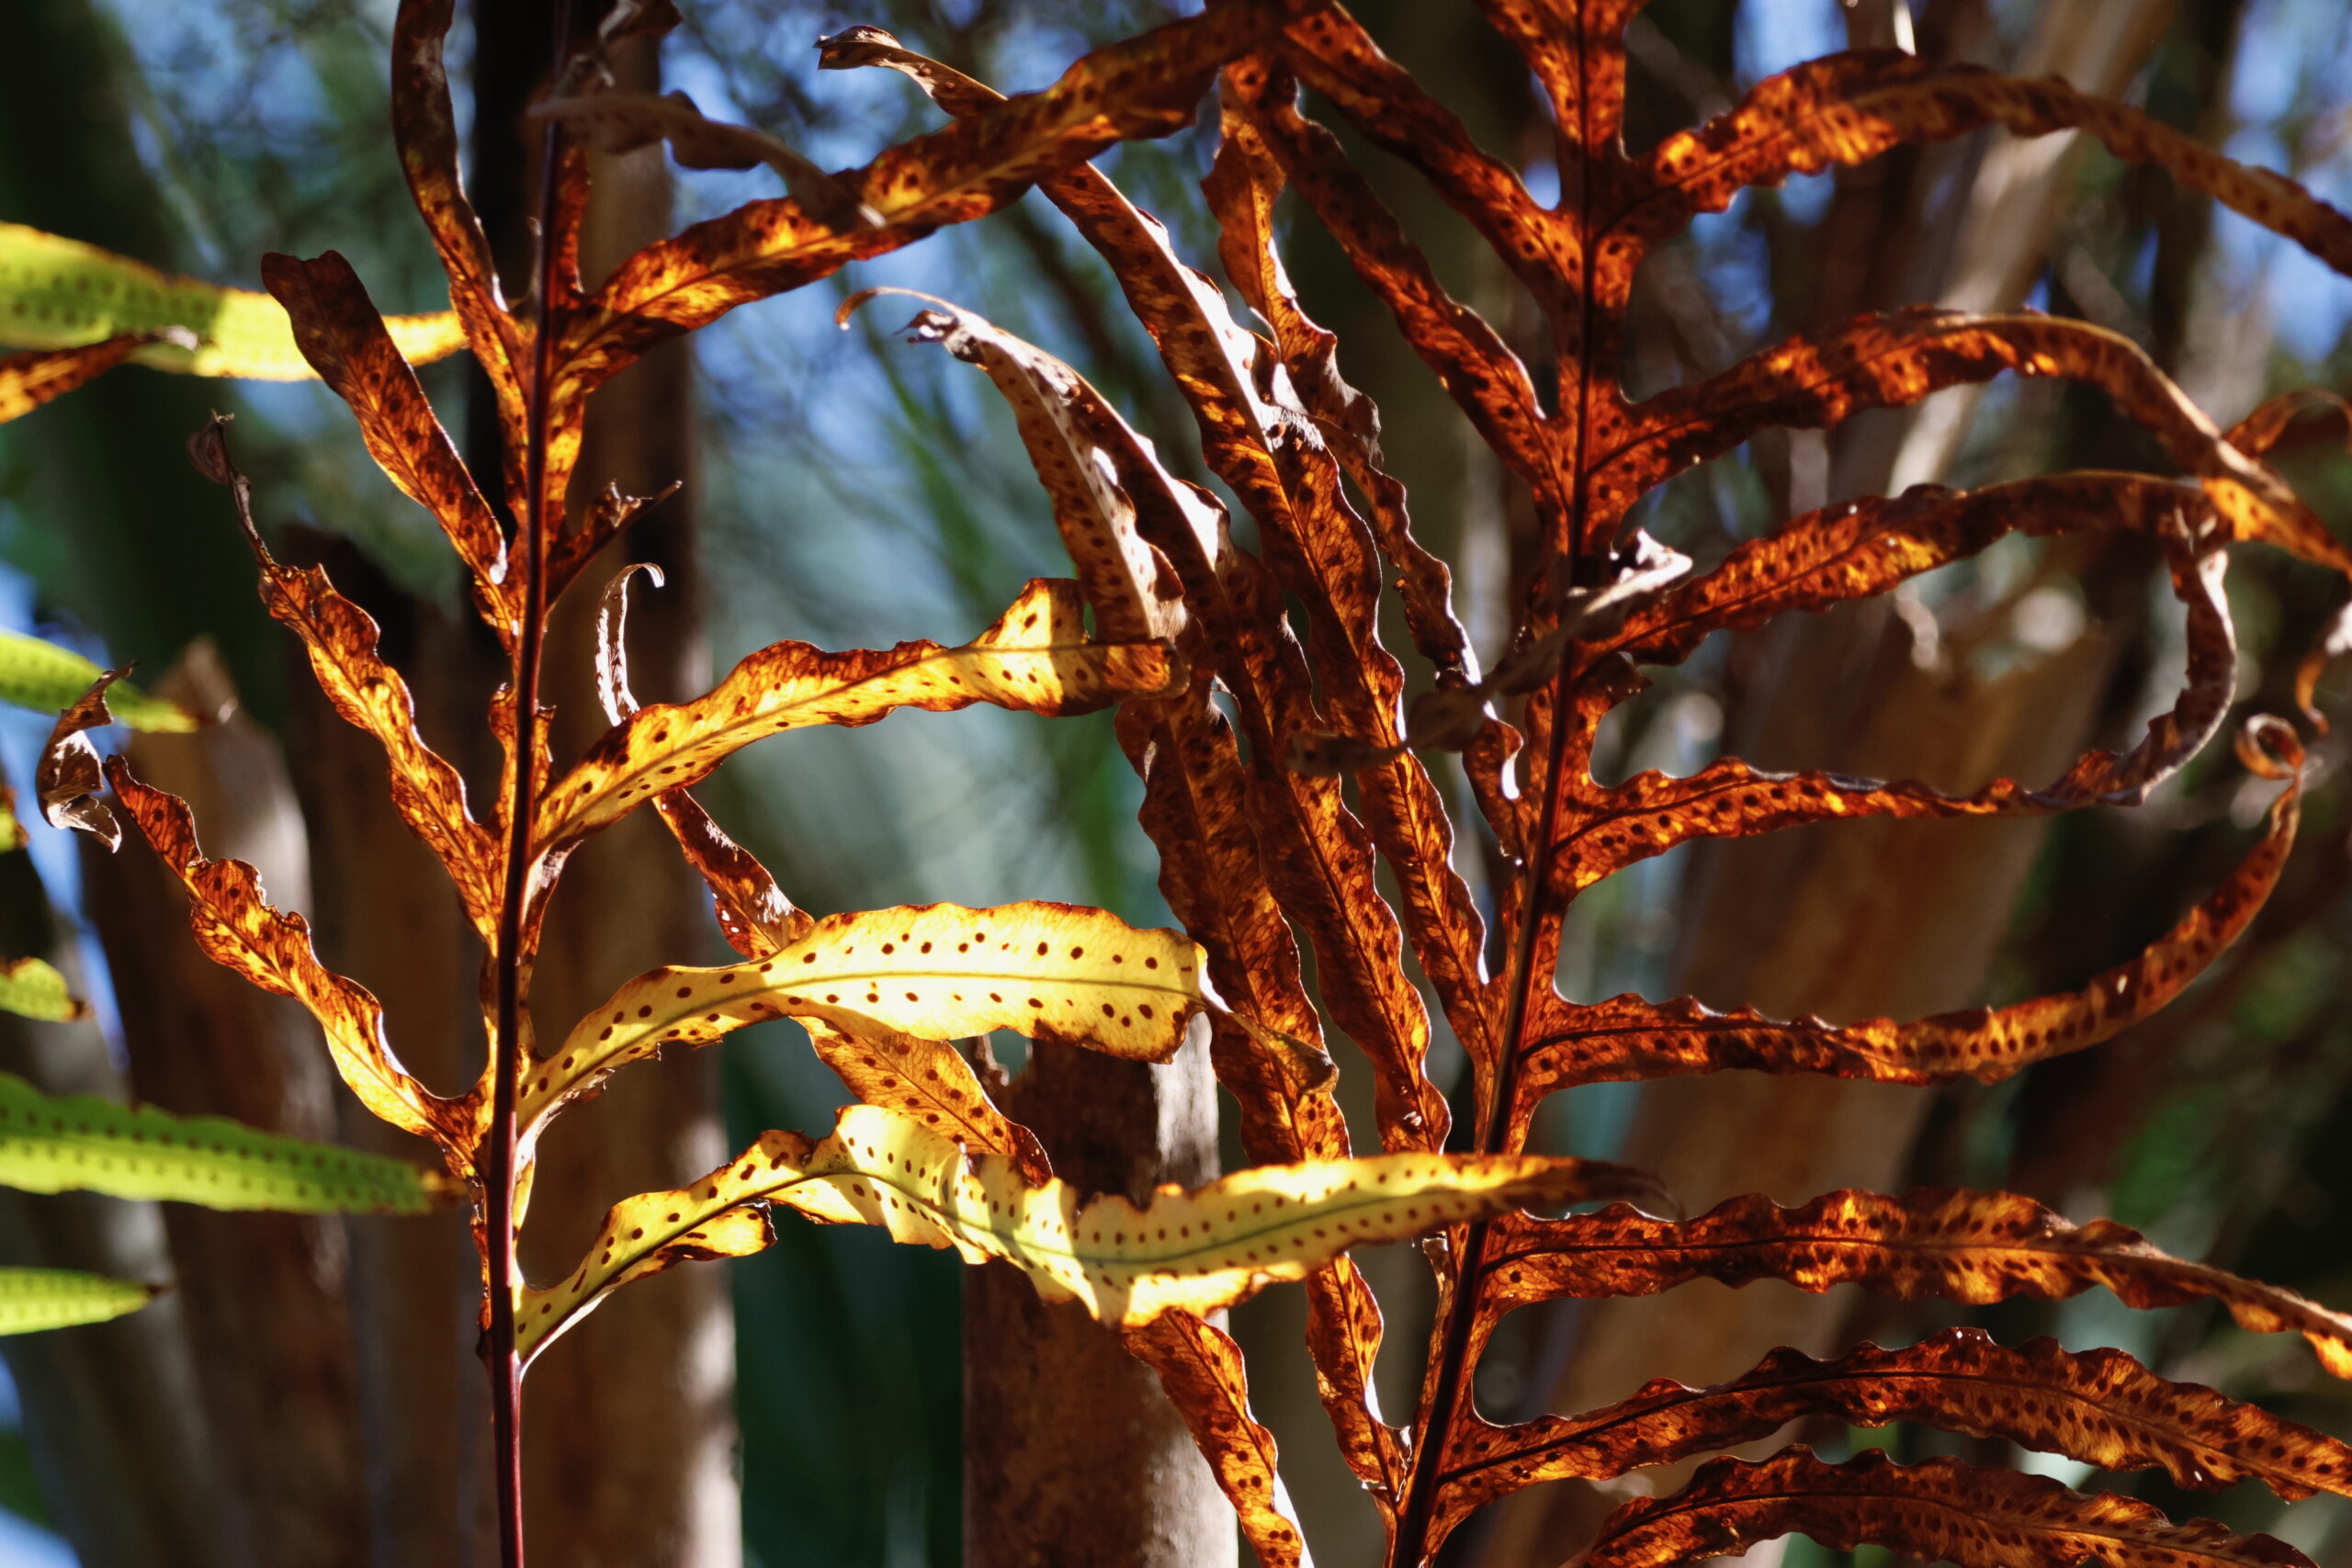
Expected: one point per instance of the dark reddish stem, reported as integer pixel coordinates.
(1453, 1352)
(1445, 1410)
(498, 1177)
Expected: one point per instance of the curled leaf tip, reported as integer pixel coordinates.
(2333, 644)
(208, 449)
(865, 296)
(612, 650)
(68, 776)
(2269, 748)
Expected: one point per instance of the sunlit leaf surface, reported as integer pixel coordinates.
(1192, 1251)
(940, 971)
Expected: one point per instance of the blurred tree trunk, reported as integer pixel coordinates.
(1072, 1454)
(264, 1295)
(2079, 1113)
(629, 1425)
(383, 912)
(112, 1418)
(1850, 919)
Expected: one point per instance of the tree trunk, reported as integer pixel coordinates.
(1073, 1458)
(111, 1411)
(264, 1295)
(383, 912)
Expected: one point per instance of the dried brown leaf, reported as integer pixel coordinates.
(425, 128)
(1343, 1333)
(618, 121)
(1612, 826)
(1862, 548)
(1334, 55)
(1200, 1366)
(1845, 109)
(1134, 593)
(1143, 86)
(949, 89)
(602, 521)
(1578, 51)
(1628, 1038)
(1947, 1243)
(1119, 509)
(926, 1081)
(1939, 1510)
(1893, 361)
(1196, 812)
(337, 328)
(33, 378)
(368, 693)
(1486, 379)
(68, 778)
(2100, 1406)
(238, 928)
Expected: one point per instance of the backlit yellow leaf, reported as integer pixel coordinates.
(1194, 1250)
(1036, 657)
(938, 971)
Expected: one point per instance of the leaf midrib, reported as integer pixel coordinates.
(1244, 1234)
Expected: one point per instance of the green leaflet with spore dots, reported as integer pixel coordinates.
(60, 293)
(35, 1299)
(46, 678)
(49, 1145)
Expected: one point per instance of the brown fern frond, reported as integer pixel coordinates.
(2100, 1406)
(1941, 1510)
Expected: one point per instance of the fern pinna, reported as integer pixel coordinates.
(1261, 841)
(1257, 840)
